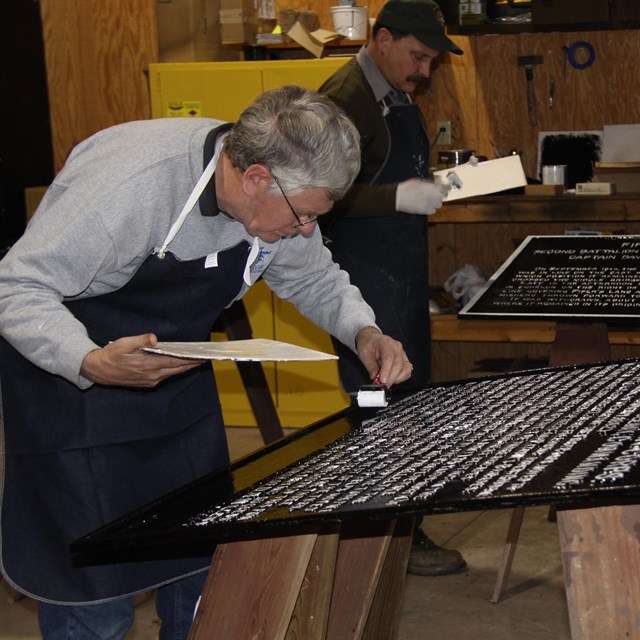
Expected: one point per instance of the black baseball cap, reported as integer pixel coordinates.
(422, 19)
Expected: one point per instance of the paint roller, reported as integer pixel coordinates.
(373, 395)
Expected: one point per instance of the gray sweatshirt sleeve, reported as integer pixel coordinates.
(103, 215)
(306, 276)
(66, 254)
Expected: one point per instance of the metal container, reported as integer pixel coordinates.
(454, 158)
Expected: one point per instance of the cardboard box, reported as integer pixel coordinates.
(595, 188)
(544, 190)
(189, 31)
(625, 175)
(241, 20)
(237, 21)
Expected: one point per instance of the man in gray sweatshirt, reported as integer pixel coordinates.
(150, 230)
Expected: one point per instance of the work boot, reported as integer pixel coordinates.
(426, 558)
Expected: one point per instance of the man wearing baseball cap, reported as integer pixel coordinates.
(378, 232)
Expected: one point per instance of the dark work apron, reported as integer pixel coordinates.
(78, 459)
(387, 256)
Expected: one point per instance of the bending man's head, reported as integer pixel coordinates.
(304, 139)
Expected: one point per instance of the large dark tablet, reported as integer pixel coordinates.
(536, 437)
(565, 278)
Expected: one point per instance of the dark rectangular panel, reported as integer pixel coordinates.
(551, 435)
(565, 278)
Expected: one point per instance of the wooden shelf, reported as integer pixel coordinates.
(488, 28)
(338, 44)
(543, 16)
(449, 328)
(567, 208)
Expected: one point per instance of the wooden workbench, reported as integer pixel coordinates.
(449, 328)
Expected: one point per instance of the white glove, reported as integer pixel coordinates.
(420, 196)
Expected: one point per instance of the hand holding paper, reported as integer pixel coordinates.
(486, 177)
(124, 363)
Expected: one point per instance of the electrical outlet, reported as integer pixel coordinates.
(443, 131)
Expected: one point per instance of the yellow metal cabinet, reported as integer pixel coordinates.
(203, 89)
(223, 89)
(302, 392)
(306, 392)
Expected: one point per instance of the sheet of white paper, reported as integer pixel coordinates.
(621, 143)
(486, 177)
(258, 349)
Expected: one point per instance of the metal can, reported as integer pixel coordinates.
(454, 158)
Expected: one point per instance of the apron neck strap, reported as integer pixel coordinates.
(191, 202)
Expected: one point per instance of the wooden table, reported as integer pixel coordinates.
(449, 328)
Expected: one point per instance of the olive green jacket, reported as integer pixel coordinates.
(349, 89)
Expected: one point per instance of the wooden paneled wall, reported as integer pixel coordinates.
(97, 54)
(484, 94)
(484, 91)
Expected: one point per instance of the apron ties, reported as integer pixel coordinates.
(387, 256)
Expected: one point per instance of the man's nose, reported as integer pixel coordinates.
(309, 228)
(425, 68)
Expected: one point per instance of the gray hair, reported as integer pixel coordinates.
(305, 140)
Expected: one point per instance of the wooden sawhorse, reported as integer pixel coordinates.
(341, 583)
(346, 583)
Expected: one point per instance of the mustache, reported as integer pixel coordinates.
(417, 79)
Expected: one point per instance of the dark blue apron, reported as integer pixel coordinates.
(387, 256)
(77, 459)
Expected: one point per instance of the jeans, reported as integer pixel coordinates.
(175, 603)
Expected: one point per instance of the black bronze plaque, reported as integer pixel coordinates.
(565, 277)
(535, 437)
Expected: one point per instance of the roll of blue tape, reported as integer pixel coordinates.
(571, 54)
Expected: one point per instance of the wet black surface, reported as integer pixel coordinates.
(562, 435)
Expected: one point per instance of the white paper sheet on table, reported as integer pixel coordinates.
(490, 176)
(258, 349)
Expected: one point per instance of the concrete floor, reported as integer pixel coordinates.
(448, 607)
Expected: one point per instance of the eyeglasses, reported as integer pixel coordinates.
(299, 223)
